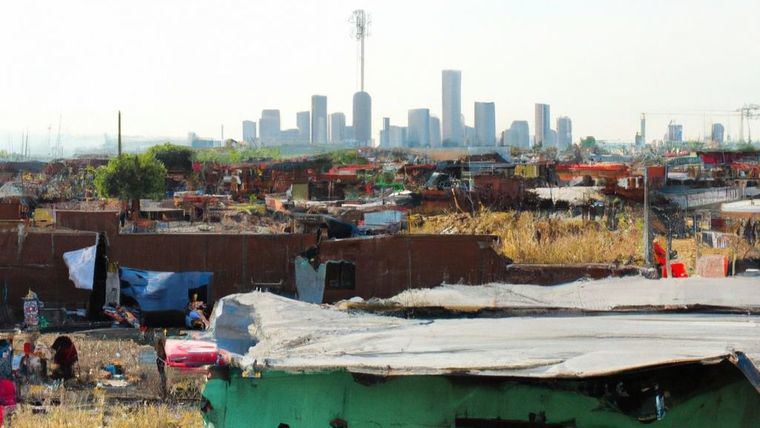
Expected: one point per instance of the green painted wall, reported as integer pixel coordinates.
(313, 400)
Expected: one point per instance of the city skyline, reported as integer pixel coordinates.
(176, 75)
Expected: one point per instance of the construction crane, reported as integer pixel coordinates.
(747, 112)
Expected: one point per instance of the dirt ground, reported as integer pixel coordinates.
(90, 401)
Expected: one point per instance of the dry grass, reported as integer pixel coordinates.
(526, 238)
(119, 416)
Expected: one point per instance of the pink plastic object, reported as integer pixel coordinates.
(190, 354)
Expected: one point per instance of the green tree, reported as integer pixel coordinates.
(588, 143)
(132, 177)
(347, 157)
(4, 154)
(174, 157)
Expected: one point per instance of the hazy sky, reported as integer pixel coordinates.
(177, 66)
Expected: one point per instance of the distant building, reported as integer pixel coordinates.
(675, 133)
(718, 133)
(518, 135)
(303, 123)
(435, 132)
(470, 136)
(485, 124)
(564, 133)
(385, 132)
(290, 136)
(418, 128)
(249, 131)
(639, 140)
(348, 134)
(362, 118)
(396, 136)
(200, 143)
(542, 125)
(452, 126)
(318, 119)
(269, 126)
(337, 128)
(551, 140)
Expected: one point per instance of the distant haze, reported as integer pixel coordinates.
(183, 65)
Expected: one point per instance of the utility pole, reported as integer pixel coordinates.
(119, 137)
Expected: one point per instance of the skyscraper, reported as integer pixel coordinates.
(675, 132)
(564, 133)
(717, 135)
(318, 119)
(542, 125)
(518, 135)
(337, 128)
(269, 126)
(396, 136)
(362, 118)
(485, 124)
(303, 123)
(418, 128)
(435, 132)
(452, 130)
(470, 137)
(385, 132)
(249, 131)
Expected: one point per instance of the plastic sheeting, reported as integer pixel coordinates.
(290, 335)
(81, 264)
(162, 291)
(310, 282)
(742, 293)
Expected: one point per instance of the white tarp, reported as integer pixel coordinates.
(81, 264)
(600, 295)
(286, 334)
(310, 282)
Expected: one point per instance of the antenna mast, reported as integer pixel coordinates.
(361, 22)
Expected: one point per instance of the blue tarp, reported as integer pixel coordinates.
(161, 291)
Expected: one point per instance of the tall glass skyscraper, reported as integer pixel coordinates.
(452, 131)
(485, 123)
(435, 132)
(303, 123)
(318, 119)
(418, 128)
(542, 125)
(337, 128)
(564, 132)
(269, 126)
(362, 118)
(249, 131)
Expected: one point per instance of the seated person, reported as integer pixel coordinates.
(65, 358)
(195, 317)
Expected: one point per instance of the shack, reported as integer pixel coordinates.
(300, 364)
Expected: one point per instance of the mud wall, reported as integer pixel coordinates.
(94, 221)
(240, 262)
(34, 260)
(388, 265)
